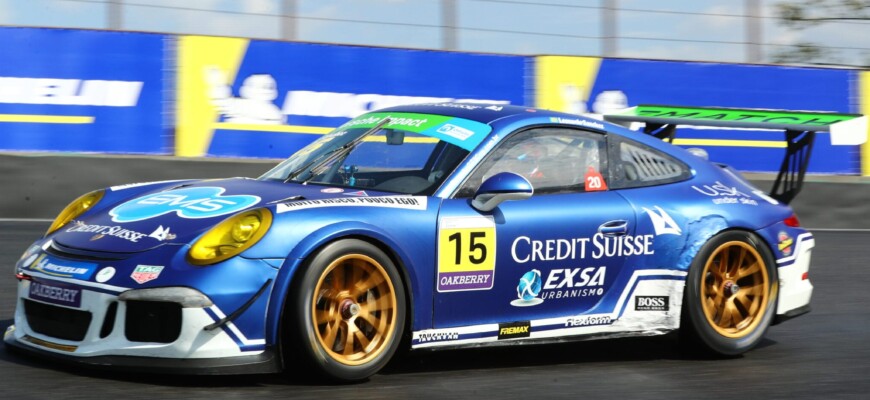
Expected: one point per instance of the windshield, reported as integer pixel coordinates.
(396, 152)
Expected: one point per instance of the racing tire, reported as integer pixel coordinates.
(346, 312)
(730, 297)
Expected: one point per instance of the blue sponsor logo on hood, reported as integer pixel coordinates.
(193, 203)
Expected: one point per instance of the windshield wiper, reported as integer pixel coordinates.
(324, 159)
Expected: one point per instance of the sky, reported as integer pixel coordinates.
(707, 30)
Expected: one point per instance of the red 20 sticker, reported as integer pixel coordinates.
(594, 181)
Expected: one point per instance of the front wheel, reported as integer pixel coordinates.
(731, 294)
(347, 311)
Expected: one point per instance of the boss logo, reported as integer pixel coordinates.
(651, 303)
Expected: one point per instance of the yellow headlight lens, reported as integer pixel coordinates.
(230, 237)
(76, 208)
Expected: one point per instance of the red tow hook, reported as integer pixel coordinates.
(23, 277)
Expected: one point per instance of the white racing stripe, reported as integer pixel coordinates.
(808, 237)
(247, 342)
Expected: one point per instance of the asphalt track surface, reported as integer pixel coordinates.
(824, 354)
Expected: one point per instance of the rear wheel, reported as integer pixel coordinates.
(731, 294)
(348, 311)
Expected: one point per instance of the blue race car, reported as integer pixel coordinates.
(428, 226)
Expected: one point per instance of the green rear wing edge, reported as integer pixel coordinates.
(800, 129)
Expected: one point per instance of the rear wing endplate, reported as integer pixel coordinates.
(800, 130)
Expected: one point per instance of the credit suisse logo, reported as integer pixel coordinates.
(192, 203)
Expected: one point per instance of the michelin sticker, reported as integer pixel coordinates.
(62, 268)
(400, 202)
(191, 203)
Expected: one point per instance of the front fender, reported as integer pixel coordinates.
(411, 261)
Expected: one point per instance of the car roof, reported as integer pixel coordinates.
(488, 113)
(481, 112)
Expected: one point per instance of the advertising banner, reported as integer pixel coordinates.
(585, 84)
(252, 98)
(81, 91)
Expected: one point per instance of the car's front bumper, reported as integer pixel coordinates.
(166, 327)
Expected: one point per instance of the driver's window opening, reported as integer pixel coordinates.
(552, 160)
(388, 160)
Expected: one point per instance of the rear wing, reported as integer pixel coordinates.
(800, 130)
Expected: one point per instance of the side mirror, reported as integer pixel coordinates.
(499, 188)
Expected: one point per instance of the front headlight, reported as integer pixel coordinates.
(76, 208)
(230, 237)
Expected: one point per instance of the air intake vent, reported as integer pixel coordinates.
(649, 166)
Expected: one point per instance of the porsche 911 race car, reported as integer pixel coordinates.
(429, 226)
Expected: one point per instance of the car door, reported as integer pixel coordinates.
(555, 254)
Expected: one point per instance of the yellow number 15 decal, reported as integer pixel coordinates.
(466, 253)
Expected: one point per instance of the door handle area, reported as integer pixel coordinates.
(617, 227)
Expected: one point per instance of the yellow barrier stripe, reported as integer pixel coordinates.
(317, 130)
(46, 119)
(731, 143)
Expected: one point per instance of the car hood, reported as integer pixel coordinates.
(178, 213)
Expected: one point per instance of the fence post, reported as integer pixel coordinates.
(288, 20)
(752, 20)
(448, 24)
(113, 14)
(608, 28)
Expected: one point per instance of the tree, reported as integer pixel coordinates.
(803, 14)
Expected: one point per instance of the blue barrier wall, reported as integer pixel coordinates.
(585, 84)
(82, 91)
(116, 92)
(267, 99)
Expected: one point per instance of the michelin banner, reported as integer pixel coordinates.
(251, 98)
(585, 84)
(81, 91)
(133, 93)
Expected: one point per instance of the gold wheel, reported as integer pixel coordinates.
(734, 289)
(354, 309)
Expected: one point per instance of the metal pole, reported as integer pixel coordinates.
(113, 14)
(448, 24)
(608, 28)
(288, 20)
(752, 20)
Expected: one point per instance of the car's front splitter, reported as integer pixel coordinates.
(267, 361)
